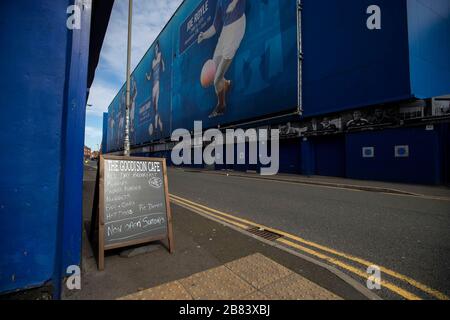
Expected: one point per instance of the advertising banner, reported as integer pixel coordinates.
(242, 64)
(116, 122)
(218, 61)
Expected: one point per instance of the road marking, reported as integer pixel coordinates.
(386, 284)
(349, 188)
(405, 294)
(290, 182)
(366, 263)
(419, 196)
(209, 214)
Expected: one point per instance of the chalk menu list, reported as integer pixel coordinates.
(134, 201)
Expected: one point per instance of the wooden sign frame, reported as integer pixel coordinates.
(98, 218)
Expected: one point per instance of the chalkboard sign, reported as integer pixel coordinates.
(134, 203)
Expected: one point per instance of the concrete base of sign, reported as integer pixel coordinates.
(129, 253)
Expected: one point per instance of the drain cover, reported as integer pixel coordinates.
(262, 233)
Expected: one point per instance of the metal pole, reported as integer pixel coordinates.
(300, 56)
(127, 111)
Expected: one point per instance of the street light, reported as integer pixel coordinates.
(127, 111)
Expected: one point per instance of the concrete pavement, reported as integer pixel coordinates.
(255, 277)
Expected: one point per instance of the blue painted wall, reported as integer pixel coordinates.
(290, 156)
(330, 155)
(44, 89)
(308, 157)
(446, 144)
(73, 129)
(422, 166)
(444, 131)
(429, 41)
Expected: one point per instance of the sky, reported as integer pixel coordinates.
(149, 18)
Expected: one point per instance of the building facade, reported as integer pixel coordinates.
(87, 153)
(357, 88)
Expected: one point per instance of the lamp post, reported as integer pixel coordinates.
(127, 111)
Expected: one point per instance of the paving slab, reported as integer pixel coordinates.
(256, 296)
(233, 281)
(296, 287)
(258, 270)
(217, 284)
(168, 291)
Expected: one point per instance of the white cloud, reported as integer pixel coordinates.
(93, 137)
(92, 132)
(100, 96)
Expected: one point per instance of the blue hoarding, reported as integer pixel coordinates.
(219, 61)
(114, 118)
(250, 53)
(348, 65)
(429, 47)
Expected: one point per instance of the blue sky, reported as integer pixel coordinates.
(149, 17)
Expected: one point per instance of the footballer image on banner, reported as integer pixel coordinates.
(231, 20)
(157, 68)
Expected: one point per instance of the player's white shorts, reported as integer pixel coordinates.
(230, 39)
(133, 105)
(155, 91)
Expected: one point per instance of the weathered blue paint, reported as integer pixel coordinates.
(429, 47)
(72, 152)
(44, 90)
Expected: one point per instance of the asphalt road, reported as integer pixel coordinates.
(406, 234)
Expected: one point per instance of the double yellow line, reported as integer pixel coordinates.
(299, 243)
